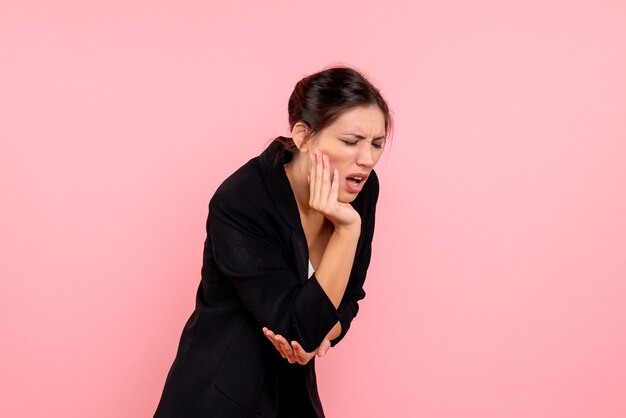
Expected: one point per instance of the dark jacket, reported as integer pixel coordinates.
(255, 274)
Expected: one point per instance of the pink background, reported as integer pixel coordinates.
(498, 281)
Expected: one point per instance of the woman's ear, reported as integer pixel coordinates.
(299, 133)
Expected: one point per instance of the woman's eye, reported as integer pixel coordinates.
(378, 146)
(348, 142)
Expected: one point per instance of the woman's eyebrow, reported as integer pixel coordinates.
(359, 136)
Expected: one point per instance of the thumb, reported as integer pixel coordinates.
(323, 348)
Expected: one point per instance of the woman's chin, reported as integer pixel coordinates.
(347, 197)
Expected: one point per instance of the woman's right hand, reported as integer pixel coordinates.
(294, 353)
(324, 193)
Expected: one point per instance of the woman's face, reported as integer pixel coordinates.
(353, 143)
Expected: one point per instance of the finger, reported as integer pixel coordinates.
(298, 350)
(325, 186)
(302, 356)
(268, 333)
(319, 171)
(283, 343)
(312, 179)
(286, 349)
(323, 348)
(270, 336)
(334, 187)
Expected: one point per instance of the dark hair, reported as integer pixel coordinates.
(320, 98)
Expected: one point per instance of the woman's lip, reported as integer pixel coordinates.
(363, 176)
(353, 187)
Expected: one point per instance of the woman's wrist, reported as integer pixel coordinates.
(351, 229)
(334, 332)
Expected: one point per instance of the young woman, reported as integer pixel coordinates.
(287, 250)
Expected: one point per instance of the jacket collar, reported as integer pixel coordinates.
(281, 193)
(277, 183)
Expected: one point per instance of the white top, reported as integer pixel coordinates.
(311, 269)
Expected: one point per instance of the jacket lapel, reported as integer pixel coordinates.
(281, 194)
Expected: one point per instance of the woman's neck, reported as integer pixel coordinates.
(297, 171)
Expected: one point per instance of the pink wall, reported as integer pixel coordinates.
(498, 280)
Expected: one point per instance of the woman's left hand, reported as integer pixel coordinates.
(294, 353)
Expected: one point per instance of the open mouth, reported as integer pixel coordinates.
(355, 180)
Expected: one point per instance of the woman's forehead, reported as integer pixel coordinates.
(362, 121)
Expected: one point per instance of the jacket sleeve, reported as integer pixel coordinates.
(349, 306)
(250, 255)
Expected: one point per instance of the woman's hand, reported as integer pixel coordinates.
(324, 193)
(294, 353)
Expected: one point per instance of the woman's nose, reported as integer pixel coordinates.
(366, 156)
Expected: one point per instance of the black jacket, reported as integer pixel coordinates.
(255, 274)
